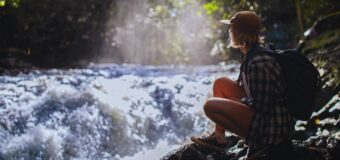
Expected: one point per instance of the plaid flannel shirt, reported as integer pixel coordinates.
(272, 121)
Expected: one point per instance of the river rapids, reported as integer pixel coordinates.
(104, 111)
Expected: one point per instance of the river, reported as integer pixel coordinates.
(104, 111)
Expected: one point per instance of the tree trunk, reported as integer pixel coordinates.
(299, 17)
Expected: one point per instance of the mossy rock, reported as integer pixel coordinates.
(323, 49)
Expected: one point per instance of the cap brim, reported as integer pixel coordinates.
(225, 21)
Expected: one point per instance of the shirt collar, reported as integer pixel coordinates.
(250, 51)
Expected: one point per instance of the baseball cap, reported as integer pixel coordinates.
(244, 21)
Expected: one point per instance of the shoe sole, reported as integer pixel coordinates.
(206, 144)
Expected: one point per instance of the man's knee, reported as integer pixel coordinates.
(208, 106)
(221, 82)
(218, 81)
(217, 87)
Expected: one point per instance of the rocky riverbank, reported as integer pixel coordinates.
(316, 139)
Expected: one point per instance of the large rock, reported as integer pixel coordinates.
(322, 46)
(314, 148)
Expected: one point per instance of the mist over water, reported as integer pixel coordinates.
(152, 33)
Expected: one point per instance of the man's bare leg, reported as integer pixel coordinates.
(225, 88)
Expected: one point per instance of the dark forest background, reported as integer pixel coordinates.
(73, 33)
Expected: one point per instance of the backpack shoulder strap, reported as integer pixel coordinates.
(252, 53)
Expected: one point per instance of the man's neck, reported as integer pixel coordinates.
(244, 49)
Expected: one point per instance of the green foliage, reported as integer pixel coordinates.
(2, 3)
(212, 7)
(223, 9)
(322, 41)
(12, 3)
(324, 52)
(314, 9)
(279, 16)
(59, 30)
(51, 30)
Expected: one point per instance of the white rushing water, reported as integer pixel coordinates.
(104, 112)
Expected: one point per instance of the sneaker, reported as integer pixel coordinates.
(210, 142)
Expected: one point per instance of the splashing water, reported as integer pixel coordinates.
(103, 112)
